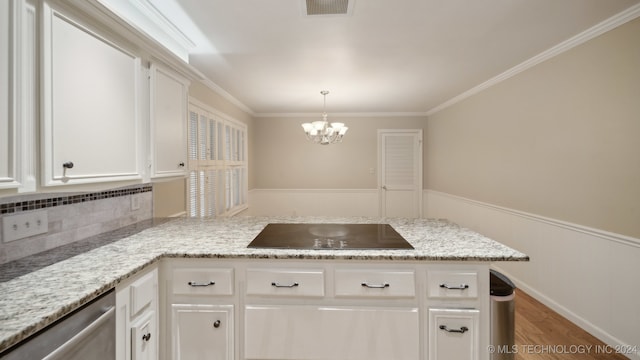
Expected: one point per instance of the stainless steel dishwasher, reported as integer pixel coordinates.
(87, 333)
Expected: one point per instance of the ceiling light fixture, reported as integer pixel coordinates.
(320, 132)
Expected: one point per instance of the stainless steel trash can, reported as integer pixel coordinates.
(502, 317)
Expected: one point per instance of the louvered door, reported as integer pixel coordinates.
(400, 176)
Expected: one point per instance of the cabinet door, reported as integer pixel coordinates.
(339, 333)
(7, 157)
(169, 99)
(453, 334)
(144, 338)
(18, 95)
(202, 332)
(90, 105)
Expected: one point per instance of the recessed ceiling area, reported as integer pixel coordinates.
(384, 56)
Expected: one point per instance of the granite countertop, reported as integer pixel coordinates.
(32, 301)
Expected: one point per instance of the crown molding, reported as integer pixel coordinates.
(342, 115)
(591, 33)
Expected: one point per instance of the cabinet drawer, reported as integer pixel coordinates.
(452, 284)
(143, 292)
(285, 282)
(453, 334)
(203, 281)
(374, 283)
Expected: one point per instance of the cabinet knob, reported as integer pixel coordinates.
(216, 324)
(181, 164)
(68, 165)
(146, 337)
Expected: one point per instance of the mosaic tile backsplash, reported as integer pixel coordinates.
(75, 216)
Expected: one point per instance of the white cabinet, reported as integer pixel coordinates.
(144, 338)
(90, 104)
(18, 95)
(458, 303)
(316, 311)
(193, 281)
(137, 335)
(452, 284)
(375, 283)
(7, 153)
(272, 309)
(202, 331)
(285, 282)
(453, 334)
(169, 101)
(331, 332)
(199, 305)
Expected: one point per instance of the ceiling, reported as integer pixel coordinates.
(385, 57)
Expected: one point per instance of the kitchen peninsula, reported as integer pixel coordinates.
(445, 276)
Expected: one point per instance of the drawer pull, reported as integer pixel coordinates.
(374, 286)
(462, 330)
(284, 286)
(216, 324)
(195, 284)
(458, 287)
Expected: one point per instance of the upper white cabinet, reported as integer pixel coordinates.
(6, 150)
(90, 105)
(169, 101)
(17, 95)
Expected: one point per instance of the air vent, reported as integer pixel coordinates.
(327, 7)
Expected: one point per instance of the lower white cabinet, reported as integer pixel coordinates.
(202, 332)
(277, 309)
(144, 338)
(330, 332)
(453, 334)
(137, 335)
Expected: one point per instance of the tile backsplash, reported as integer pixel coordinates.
(75, 216)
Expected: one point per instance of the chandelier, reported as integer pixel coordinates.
(320, 132)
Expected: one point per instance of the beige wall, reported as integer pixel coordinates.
(561, 140)
(285, 159)
(169, 198)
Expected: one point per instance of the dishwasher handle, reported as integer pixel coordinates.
(62, 351)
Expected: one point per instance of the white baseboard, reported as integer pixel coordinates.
(587, 275)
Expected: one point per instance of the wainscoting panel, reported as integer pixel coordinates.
(588, 275)
(313, 202)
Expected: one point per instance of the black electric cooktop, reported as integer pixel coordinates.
(329, 236)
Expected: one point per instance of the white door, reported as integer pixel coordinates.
(400, 176)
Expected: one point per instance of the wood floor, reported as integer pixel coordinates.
(540, 331)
